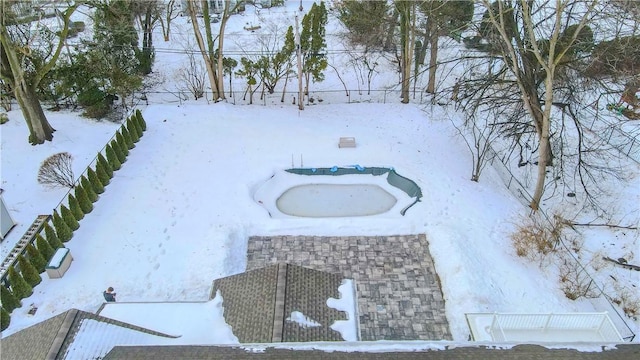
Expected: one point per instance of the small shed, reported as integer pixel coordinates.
(59, 263)
(6, 222)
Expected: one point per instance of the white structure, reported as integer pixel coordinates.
(347, 142)
(557, 328)
(59, 263)
(6, 222)
(215, 6)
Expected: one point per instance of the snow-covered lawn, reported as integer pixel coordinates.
(179, 213)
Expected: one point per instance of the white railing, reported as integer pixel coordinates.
(569, 327)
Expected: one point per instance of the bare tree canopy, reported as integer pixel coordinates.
(56, 170)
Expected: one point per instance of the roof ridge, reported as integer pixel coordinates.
(108, 320)
(62, 334)
(71, 330)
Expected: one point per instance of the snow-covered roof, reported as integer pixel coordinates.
(279, 303)
(76, 334)
(406, 350)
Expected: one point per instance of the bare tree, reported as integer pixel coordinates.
(533, 40)
(407, 13)
(191, 78)
(212, 55)
(364, 62)
(479, 133)
(168, 14)
(56, 170)
(23, 67)
(444, 17)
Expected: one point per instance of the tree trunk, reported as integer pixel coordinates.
(534, 105)
(25, 87)
(404, 8)
(208, 62)
(284, 88)
(542, 169)
(545, 143)
(39, 128)
(426, 39)
(147, 42)
(223, 23)
(388, 43)
(433, 61)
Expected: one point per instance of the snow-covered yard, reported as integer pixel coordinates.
(180, 211)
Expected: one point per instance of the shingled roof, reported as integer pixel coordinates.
(53, 338)
(393, 352)
(258, 304)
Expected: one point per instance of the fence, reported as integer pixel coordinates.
(316, 97)
(569, 327)
(521, 192)
(613, 135)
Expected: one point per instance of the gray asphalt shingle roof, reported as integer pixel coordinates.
(51, 338)
(519, 352)
(258, 302)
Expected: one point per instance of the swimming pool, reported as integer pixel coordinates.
(337, 192)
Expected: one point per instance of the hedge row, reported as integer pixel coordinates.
(21, 283)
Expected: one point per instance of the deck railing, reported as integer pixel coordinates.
(504, 323)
